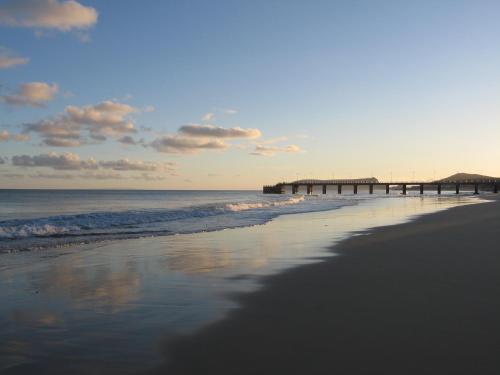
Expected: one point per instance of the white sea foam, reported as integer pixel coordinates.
(249, 206)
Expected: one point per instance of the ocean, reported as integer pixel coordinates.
(33, 219)
(102, 281)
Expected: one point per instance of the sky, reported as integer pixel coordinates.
(236, 94)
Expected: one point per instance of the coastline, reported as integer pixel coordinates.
(412, 298)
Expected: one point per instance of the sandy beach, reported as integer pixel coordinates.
(414, 298)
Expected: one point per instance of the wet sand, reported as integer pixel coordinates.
(415, 298)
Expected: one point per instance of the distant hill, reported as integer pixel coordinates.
(468, 176)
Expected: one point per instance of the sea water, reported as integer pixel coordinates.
(31, 219)
(110, 303)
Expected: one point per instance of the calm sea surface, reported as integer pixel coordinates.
(100, 281)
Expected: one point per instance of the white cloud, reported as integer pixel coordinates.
(106, 114)
(33, 94)
(77, 124)
(262, 150)
(4, 135)
(182, 145)
(212, 131)
(66, 161)
(210, 116)
(230, 111)
(47, 14)
(9, 59)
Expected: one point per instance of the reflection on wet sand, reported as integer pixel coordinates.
(103, 287)
(218, 255)
(35, 318)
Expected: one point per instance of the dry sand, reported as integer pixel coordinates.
(416, 298)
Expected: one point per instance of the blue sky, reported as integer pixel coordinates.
(350, 89)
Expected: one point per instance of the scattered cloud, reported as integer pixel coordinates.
(99, 175)
(93, 169)
(48, 14)
(66, 161)
(76, 125)
(137, 165)
(230, 111)
(210, 116)
(107, 175)
(9, 59)
(87, 175)
(21, 137)
(6, 136)
(32, 94)
(109, 116)
(192, 138)
(128, 140)
(63, 176)
(262, 150)
(61, 142)
(176, 144)
(212, 131)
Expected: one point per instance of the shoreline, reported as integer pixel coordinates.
(418, 297)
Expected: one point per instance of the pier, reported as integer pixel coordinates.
(316, 186)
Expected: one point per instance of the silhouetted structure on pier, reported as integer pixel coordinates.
(477, 184)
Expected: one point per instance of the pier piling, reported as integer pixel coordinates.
(421, 189)
(404, 189)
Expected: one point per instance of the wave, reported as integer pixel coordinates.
(94, 226)
(249, 206)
